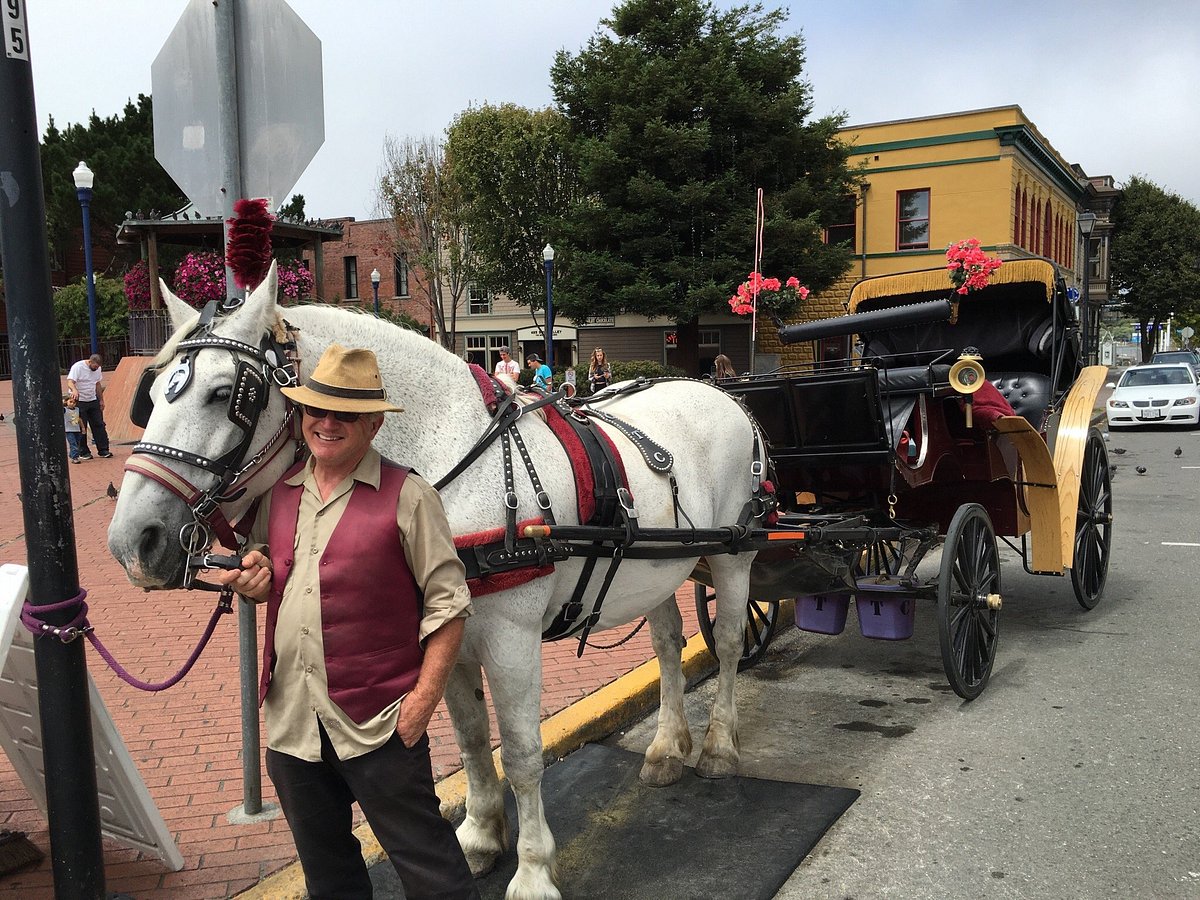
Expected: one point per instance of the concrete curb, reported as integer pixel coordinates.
(593, 718)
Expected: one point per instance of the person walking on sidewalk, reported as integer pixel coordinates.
(76, 439)
(86, 383)
(352, 671)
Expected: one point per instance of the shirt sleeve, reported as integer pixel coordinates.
(429, 550)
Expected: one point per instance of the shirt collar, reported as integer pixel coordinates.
(367, 471)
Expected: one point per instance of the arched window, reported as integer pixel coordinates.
(1047, 249)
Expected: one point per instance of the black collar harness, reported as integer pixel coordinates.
(272, 362)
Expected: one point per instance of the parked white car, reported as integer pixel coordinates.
(1155, 395)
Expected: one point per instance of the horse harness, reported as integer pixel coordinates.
(612, 530)
(272, 362)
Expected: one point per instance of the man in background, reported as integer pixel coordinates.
(85, 383)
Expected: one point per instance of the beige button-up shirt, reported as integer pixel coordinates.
(299, 694)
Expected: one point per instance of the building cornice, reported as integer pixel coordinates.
(1022, 138)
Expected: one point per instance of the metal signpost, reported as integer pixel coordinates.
(72, 805)
(239, 112)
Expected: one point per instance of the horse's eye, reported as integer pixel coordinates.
(221, 394)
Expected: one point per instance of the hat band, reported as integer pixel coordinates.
(346, 393)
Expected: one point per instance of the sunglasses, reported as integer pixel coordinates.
(315, 412)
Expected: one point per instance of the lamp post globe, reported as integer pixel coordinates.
(84, 179)
(548, 260)
(375, 276)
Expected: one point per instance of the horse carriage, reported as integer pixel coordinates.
(816, 484)
(957, 422)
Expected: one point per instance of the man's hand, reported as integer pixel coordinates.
(253, 579)
(415, 712)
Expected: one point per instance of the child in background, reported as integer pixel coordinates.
(76, 442)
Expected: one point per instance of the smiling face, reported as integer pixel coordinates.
(338, 447)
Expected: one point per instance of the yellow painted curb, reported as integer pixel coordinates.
(596, 716)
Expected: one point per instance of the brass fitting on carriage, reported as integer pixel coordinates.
(994, 602)
(966, 377)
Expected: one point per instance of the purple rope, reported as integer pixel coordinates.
(79, 625)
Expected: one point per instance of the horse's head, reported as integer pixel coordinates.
(217, 435)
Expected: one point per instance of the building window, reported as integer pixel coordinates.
(1095, 259)
(710, 347)
(478, 302)
(477, 349)
(1048, 234)
(912, 220)
(844, 227)
(350, 263)
(400, 272)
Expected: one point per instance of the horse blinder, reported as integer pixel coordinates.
(143, 404)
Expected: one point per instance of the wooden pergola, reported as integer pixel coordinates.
(188, 229)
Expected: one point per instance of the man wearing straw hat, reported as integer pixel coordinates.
(365, 605)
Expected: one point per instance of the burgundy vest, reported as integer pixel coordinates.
(370, 601)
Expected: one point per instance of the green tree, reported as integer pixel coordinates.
(678, 113)
(425, 206)
(120, 150)
(112, 309)
(512, 167)
(293, 209)
(1154, 257)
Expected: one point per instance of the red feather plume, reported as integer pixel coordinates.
(249, 252)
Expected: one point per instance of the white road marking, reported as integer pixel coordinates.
(1178, 544)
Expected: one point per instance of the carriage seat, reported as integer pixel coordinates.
(902, 380)
(1029, 394)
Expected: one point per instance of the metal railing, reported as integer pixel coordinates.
(148, 331)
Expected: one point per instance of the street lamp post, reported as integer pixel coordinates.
(1087, 221)
(548, 258)
(375, 276)
(84, 179)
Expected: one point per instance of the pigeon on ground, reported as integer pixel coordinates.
(1112, 470)
(1141, 470)
(112, 491)
(1, 417)
(1179, 451)
(1118, 450)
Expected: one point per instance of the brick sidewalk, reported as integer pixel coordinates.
(186, 741)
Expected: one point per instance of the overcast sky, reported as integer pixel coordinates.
(1111, 84)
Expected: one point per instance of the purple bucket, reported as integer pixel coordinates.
(886, 616)
(822, 613)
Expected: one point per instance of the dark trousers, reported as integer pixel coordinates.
(93, 418)
(394, 787)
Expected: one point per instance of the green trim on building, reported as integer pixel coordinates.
(1020, 137)
(934, 165)
(917, 254)
(934, 141)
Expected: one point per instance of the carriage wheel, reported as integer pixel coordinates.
(761, 619)
(967, 622)
(1093, 524)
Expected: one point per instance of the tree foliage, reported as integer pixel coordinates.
(1155, 255)
(678, 113)
(512, 167)
(71, 309)
(120, 150)
(425, 206)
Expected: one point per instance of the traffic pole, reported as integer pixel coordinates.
(68, 756)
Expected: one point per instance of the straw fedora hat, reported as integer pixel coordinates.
(345, 381)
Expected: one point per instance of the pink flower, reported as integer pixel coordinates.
(794, 283)
(801, 290)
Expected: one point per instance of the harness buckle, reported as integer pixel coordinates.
(510, 500)
(757, 468)
(626, 501)
(543, 500)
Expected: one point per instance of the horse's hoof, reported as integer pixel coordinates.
(716, 767)
(532, 887)
(481, 863)
(661, 773)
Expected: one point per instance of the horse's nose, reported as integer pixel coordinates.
(138, 551)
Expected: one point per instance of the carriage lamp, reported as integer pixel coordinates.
(966, 377)
(84, 179)
(375, 276)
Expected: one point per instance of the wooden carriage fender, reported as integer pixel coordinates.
(1069, 447)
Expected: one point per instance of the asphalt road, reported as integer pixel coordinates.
(1073, 776)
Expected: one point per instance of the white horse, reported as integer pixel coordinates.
(713, 445)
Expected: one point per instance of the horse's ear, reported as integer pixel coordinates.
(181, 314)
(261, 301)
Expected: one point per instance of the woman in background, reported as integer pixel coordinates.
(723, 369)
(599, 371)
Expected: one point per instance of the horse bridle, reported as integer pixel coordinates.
(271, 363)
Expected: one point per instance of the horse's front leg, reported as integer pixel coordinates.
(731, 577)
(517, 697)
(672, 741)
(484, 832)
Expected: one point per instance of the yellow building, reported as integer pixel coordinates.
(928, 182)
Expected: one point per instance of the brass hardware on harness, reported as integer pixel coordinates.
(892, 500)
